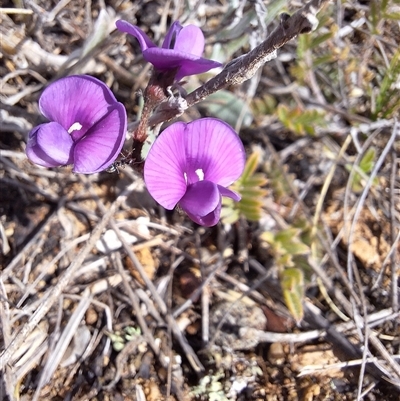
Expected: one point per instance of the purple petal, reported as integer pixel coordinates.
(202, 203)
(214, 147)
(165, 166)
(194, 67)
(144, 41)
(165, 59)
(201, 198)
(76, 99)
(190, 40)
(229, 194)
(49, 145)
(171, 35)
(209, 220)
(102, 143)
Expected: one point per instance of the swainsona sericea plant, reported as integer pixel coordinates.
(193, 164)
(182, 49)
(190, 164)
(87, 126)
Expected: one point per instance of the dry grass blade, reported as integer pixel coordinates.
(351, 269)
(57, 353)
(53, 294)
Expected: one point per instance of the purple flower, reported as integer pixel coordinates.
(182, 49)
(87, 126)
(192, 164)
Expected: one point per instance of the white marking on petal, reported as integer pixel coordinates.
(75, 127)
(200, 174)
(185, 176)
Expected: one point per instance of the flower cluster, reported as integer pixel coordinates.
(189, 164)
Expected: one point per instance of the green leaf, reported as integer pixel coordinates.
(292, 283)
(257, 180)
(361, 172)
(263, 105)
(267, 236)
(325, 59)
(279, 179)
(249, 188)
(288, 234)
(230, 215)
(301, 121)
(228, 107)
(246, 208)
(295, 248)
(387, 101)
(318, 40)
(252, 193)
(393, 16)
(238, 31)
(252, 215)
(250, 167)
(285, 244)
(367, 162)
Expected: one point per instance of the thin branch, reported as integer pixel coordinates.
(395, 238)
